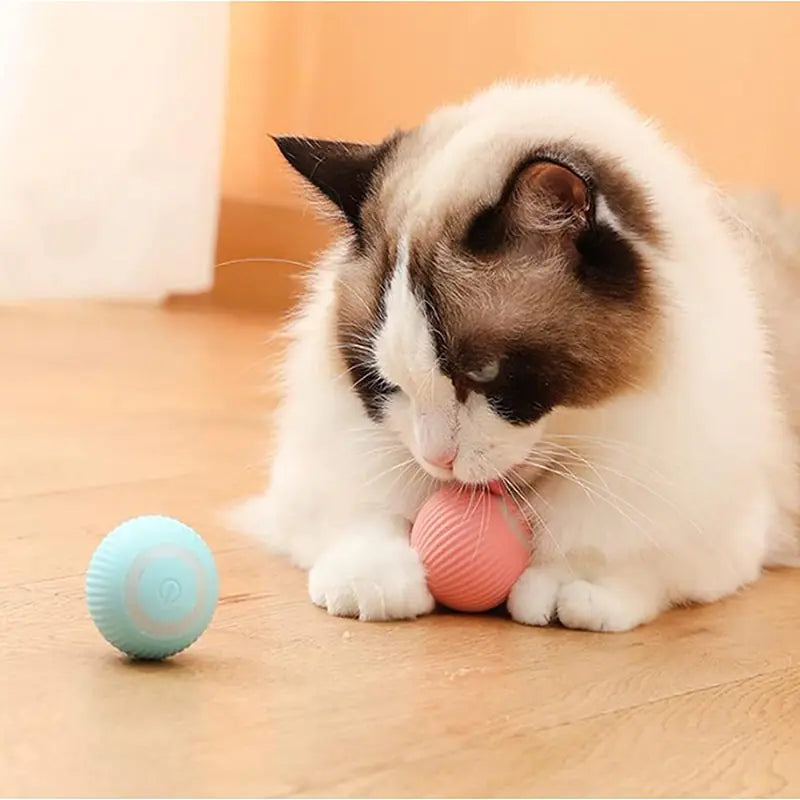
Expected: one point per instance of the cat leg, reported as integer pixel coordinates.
(287, 517)
(600, 562)
(616, 592)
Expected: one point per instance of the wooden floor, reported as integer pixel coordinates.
(107, 412)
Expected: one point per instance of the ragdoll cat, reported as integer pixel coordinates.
(535, 287)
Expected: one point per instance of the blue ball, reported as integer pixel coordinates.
(152, 587)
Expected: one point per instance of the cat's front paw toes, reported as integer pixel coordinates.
(532, 600)
(544, 594)
(370, 580)
(592, 607)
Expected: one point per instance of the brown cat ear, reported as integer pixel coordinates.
(342, 171)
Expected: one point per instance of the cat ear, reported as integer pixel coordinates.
(540, 196)
(342, 171)
(553, 189)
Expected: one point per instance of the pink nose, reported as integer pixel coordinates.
(442, 460)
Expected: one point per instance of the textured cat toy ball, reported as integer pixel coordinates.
(152, 587)
(474, 544)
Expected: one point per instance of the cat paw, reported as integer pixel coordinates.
(532, 600)
(371, 579)
(541, 596)
(592, 607)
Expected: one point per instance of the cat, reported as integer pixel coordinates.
(534, 286)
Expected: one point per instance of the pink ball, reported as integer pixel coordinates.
(473, 545)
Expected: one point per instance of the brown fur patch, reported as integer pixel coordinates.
(572, 313)
(558, 342)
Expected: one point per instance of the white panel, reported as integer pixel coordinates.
(111, 119)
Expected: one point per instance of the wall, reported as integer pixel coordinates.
(721, 77)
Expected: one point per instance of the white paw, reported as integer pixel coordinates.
(532, 600)
(376, 578)
(542, 595)
(593, 607)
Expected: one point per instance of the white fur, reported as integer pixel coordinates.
(678, 493)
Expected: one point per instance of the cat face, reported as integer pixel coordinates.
(492, 276)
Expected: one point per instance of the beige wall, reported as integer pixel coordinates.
(723, 78)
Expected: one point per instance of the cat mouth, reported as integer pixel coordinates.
(495, 486)
(515, 478)
(446, 475)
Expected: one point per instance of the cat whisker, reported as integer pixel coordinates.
(386, 472)
(248, 259)
(518, 495)
(597, 466)
(611, 499)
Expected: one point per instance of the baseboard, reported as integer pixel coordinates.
(260, 239)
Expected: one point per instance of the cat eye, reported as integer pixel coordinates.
(487, 373)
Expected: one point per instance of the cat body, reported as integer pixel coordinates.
(535, 287)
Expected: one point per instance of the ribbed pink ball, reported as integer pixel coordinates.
(473, 545)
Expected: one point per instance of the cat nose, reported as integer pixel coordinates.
(443, 460)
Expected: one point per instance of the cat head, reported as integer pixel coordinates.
(496, 269)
